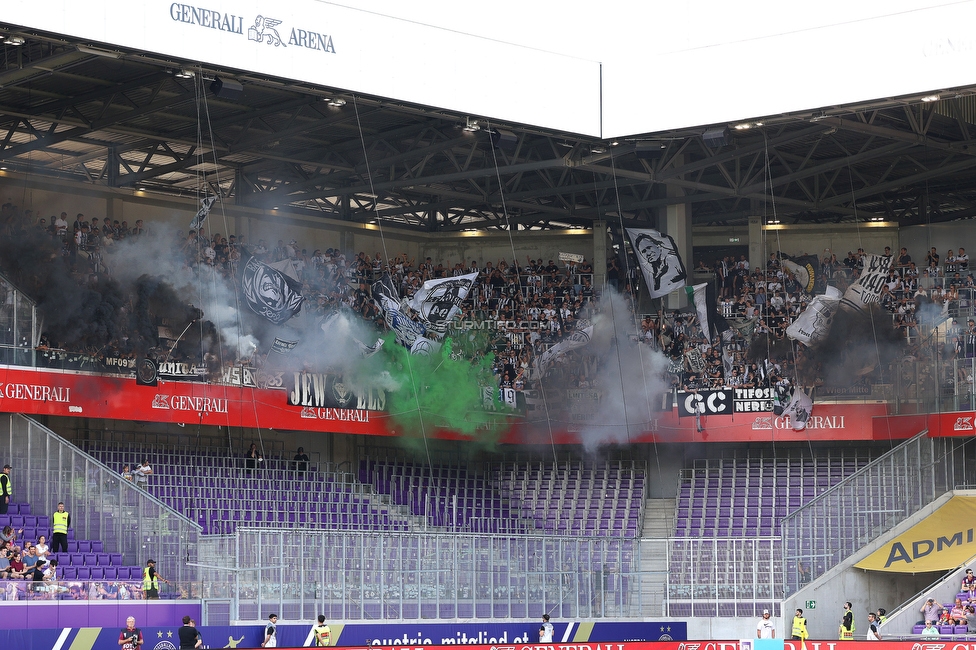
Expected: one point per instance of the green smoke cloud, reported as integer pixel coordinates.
(444, 390)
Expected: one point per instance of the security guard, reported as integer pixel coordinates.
(150, 581)
(60, 523)
(799, 626)
(847, 623)
(6, 489)
(321, 633)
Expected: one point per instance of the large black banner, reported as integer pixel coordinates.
(726, 401)
(269, 292)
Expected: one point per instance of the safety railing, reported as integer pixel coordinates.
(364, 576)
(47, 469)
(841, 521)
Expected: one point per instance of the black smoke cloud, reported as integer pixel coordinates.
(94, 313)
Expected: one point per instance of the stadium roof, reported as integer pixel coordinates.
(130, 119)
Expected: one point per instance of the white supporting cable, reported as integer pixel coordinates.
(518, 279)
(379, 226)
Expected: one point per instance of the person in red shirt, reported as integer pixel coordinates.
(16, 569)
(131, 637)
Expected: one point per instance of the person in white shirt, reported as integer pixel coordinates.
(930, 630)
(546, 631)
(766, 629)
(874, 633)
(142, 473)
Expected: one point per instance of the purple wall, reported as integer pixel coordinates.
(60, 614)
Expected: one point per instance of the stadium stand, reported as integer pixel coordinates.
(219, 493)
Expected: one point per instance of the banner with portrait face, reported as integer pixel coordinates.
(659, 260)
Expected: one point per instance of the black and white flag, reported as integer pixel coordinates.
(205, 204)
(799, 409)
(438, 301)
(269, 292)
(867, 289)
(813, 325)
(577, 339)
(659, 260)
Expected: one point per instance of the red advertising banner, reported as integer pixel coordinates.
(79, 394)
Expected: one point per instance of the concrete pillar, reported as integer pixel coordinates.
(677, 224)
(114, 209)
(757, 253)
(347, 243)
(599, 253)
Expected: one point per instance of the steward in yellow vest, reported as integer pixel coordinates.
(847, 623)
(799, 626)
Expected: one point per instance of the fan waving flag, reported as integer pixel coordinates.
(439, 301)
(805, 270)
(659, 261)
(205, 204)
(269, 292)
(696, 294)
(799, 409)
(577, 339)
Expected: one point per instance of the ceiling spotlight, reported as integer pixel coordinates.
(337, 102)
(614, 143)
(97, 52)
(3, 169)
(743, 126)
(183, 73)
(15, 40)
(471, 125)
(822, 115)
(930, 98)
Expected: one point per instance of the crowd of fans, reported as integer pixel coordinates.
(531, 306)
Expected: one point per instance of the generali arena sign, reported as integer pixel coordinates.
(292, 407)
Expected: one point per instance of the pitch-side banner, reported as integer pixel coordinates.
(292, 636)
(659, 260)
(942, 541)
(318, 403)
